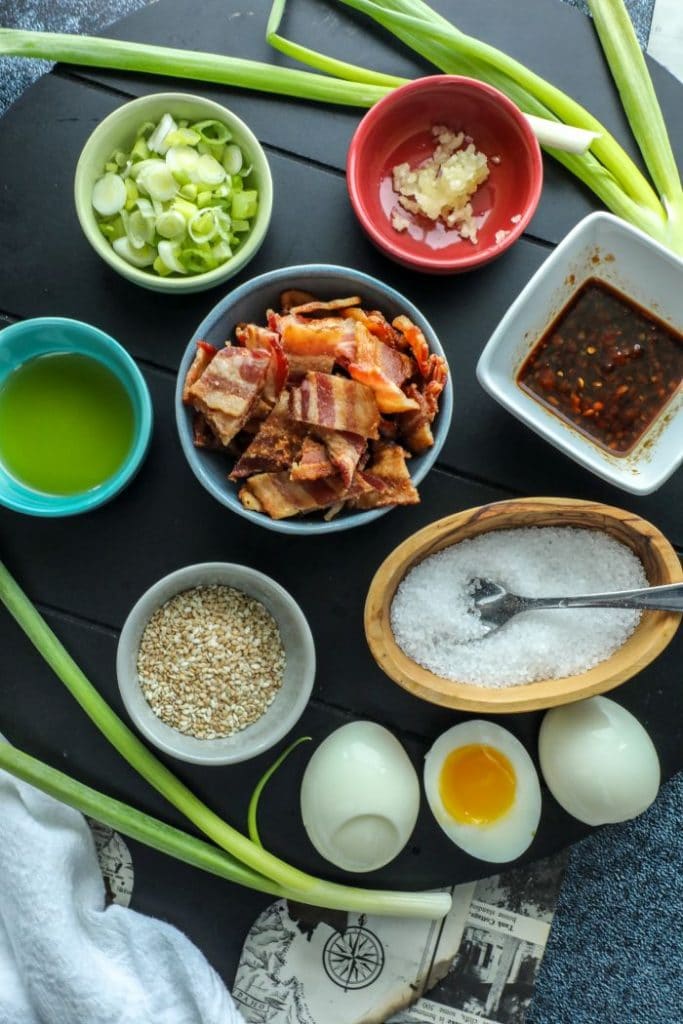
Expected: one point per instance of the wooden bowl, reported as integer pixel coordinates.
(653, 633)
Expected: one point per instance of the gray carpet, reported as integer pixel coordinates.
(616, 948)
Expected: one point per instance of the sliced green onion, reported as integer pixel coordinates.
(140, 151)
(212, 133)
(170, 254)
(171, 224)
(189, 191)
(223, 222)
(232, 159)
(302, 886)
(182, 162)
(146, 129)
(157, 141)
(140, 229)
(202, 227)
(209, 171)
(160, 267)
(184, 207)
(109, 194)
(143, 257)
(222, 251)
(244, 204)
(182, 136)
(198, 260)
(132, 194)
(157, 181)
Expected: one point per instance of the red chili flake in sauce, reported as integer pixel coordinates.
(606, 366)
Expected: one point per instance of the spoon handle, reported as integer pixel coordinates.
(667, 598)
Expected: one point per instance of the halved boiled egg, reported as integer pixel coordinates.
(483, 790)
(360, 797)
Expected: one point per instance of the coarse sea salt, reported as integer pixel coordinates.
(434, 621)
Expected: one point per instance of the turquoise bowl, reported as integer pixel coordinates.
(46, 335)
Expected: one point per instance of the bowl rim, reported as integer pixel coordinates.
(299, 527)
(85, 501)
(172, 741)
(534, 696)
(138, 275)
(356, 184)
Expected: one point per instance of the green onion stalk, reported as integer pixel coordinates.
(606, 168)
(433, 37)
(298, 884)
(95, 52)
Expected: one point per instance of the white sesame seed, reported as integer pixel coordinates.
(198, 663)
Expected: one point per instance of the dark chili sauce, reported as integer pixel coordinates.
(605, 365)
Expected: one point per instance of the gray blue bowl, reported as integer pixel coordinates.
(45, 335)
(248, 303)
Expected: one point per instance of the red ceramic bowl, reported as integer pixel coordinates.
(398, 129)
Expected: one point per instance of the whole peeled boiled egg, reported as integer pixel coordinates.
(483, 790)
(598, 761)
(360, 797)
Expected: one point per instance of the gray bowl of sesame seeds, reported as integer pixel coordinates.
(215, 663)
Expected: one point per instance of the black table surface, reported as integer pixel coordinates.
(86, 572)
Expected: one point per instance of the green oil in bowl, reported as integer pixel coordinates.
(66, 423)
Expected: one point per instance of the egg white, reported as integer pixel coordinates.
(360, 797)
(598, 761)
(509, 836)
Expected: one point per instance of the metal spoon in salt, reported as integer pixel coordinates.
(496, 605)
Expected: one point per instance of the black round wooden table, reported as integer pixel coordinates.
(86, 572)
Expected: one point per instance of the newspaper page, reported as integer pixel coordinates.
(302, 965)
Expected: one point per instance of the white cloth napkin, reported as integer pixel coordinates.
(64, 958)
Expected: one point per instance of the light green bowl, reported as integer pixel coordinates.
(118, 131)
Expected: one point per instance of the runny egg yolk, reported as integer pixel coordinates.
(477, 784)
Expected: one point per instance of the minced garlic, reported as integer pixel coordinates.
(441, 188)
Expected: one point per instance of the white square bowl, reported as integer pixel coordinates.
(604, 247)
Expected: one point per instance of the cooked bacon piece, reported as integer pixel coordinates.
(415, 340)
(415, 427)
(294, 297)
(389, 397)
(377, 324)
(254, 338)
(315, 306)
(229, 388)
(344, 451)
(202, 434)
(326, 400)
(302, 337)
(313, 463)
(300, 365)
(203, 357)
(365, 348)
(259, 412)
(276, 445)
(280, 497)
(369, 361)
(388, 478)
(388, 429)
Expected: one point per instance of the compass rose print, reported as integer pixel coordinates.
(353, 958)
